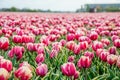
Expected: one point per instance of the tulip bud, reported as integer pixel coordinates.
(70, 45)
(42, 70)
(25, 64)
(83, 45)
(30, 46)
(70, 37)
(112, 59)
(89, 54)
(23, 73)
(68, 69)
(7, 64)
(84, 62)
(106, 41)
(63, 42)
(76, 75)
(71, 59)
(17, 39)
(112, 50)
(40, 58)
(93, 35)
(53, 53)
(97, 45)
(117, 43)
(4, 43)
(76, 49)
(103, 56)
(4, 75)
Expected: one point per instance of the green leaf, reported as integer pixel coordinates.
(101, 77)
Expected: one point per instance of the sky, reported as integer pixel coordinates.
(54, 5)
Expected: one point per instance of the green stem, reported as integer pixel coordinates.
(85, 74)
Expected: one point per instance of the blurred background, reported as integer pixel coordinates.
(60, 5)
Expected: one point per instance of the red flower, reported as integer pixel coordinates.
(4, 75)
(42, 70)
(68, 69)
(84, 62)
(4, 43)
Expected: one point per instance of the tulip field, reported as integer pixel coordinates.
(59, 46)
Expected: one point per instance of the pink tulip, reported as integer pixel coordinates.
(40, 50)
(99, 51)
(83, 45)
(4, 43)
(71, 59)
(76, 75)
(17, 51)
(84, 38)
(106, 41)
(63, 42)
(68, 69)
(23, 73)
(112, 59)
(30, 46)
(53, 53)
(84, 62)
(42, 70)
(4, 75)
(76, 49)
(112, 50)
(45, 40)
(70, 45)
(25, 64)
(17, 39)
(7, 64)
(97, 45)
(103, 56)
(40, 58)
(89, 54)
(117, 43)
(70, 37)
(114, 37)
(93, 35)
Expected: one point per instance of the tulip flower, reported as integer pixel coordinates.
(93, 35)
(40, 58)
(42, 70)
(70, 45)
(84, 62)
(76, 75)
(76, 49)
(4, 43)
(17, 39)
(83, 45)
(4, 75)
(112, 50)
(97, 45)
(103, 56)
(70, 37)
(17, 51)
(112, 59)
(89, 54)
(71, 59)
(106, 41)
(68, 69)
(117, 43)
(23, 73)
(7, 64)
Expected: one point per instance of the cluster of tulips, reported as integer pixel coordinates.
(42, 46)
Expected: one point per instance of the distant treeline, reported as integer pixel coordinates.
(82, 9)
(14, 9)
